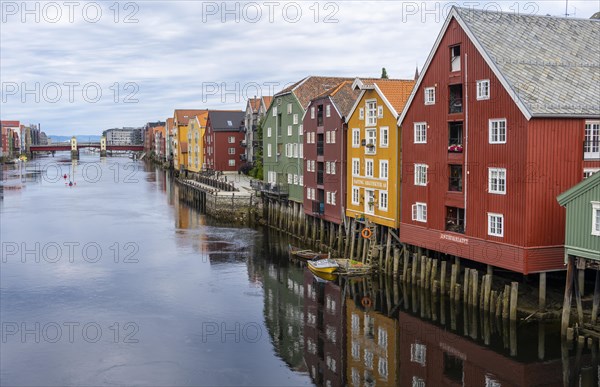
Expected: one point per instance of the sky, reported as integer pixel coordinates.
(80, 67)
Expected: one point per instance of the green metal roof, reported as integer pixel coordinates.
(578, 189)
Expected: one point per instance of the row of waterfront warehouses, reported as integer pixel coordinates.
(16, 138)
(466, 159)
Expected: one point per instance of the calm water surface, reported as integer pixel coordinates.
(113, 281)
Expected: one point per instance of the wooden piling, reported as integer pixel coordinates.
(596, 297)
(514, 293)
(396, 260)
(505, 302)
(351, 238)
(413, 275)
(427, 273)
(405, 265)
(475, 284)
(487, 290)
(466, 290)
(434, 269)
(542, 292)
(453, 275)
(423, 269)
(443, 278)
(388, 250)
(457, 293)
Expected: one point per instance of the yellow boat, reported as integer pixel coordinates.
(323, 277)
(323, 265)
(23, 158)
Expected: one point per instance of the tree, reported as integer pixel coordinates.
(257, 171)
(384, 73)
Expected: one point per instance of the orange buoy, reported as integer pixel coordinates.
(366, 302)
(366, 233)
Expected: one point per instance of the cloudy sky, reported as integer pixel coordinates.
(82, 67)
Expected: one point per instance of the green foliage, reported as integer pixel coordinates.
(257, 171)
(384, 74)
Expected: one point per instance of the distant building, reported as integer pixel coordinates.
(8, 131)
(43, 138)
(223, 140)
(256, 109)
(123, 136)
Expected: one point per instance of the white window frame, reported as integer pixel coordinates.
(275, 111)
(332, 167)
(232, 162)
(301, 180)
(587, 172)
(355, 167)
(419, 212)
(300, 130)
(371, 110)
(595, 220)
(268, 132)
(231, 139)
(420, 132)
(333, 135)
(483, 89)
(420, 176)
(592, 133)
(312, 112)
(355, 137)
(290, 130)
(369, 208)
(300, 150)
(370, 138)
(495, 135)
(429, 95)
(295, 179)
(384, 167)
(289, 108)
(383, 200)
(369, 168)
(327, 137)
(361, 113)
(295, 120)
(269, 152)
(384, 137)
(327, 169)
(290, 178)
(497, 178)
(355, 195)
(333, 198)
(493, 220)
(231, 151)
(328, 110)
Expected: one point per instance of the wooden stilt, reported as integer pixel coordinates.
(514, 293)
(405, 266)
(351, 238)
(396, 260)
(596, 297)
(486, 292)
(467, 289)
(434, 269)
(505, 302)
(423, 269)
(581, 281)
(413, 276)
(427, 273)
(388, 250)
(475, 281)
(453, 275)
(443, 278)
(567, 298)
(542, 292)
(577, 289)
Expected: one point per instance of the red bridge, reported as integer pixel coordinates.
(67, 147)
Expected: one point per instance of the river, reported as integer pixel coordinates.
(108, 279)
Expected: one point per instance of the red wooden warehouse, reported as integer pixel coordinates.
(223, 140)
(325, 152)
(504, 117)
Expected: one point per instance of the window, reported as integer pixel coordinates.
(328, 110)
(295, 179)
(312, 113)
(498, 131)
(420, 174)
(371, 113)
(300, 130)
(355, 167)
(328, 197)
(455, 179)
(355, 137)
(369, 168)
(382, 368)
(300, 150)
(495, 225)
(289, 130)
(497, 180)
(455, 219)
(596, 218)
(232, 162)
(327, 137)
(371, 141)
(418, 353)
(231, 139)
(420, 133)
(333, 198)
(332, 167)
(419, 212)
(383, 200)
(269, 153)
(429, 95)
(301, 180)
(369, 204)
(355, 195)
(312, 137)
(382, 338)
(591, 145)
(483, 89)
(384, 139)
(268, 132)
(455, 58)
(327, 169)
(383, 169)
(289, 178)
(289, 108)
(361, 114)
(231, 151)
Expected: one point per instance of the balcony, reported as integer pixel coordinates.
(455, 220)
(243, 143)
(455, 137)
(318, 208)
(455, 100)
(455, 179)
(319, 148)
(320, 115)
(272, 189)
(243, 157)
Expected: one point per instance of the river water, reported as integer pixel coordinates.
(108, 279)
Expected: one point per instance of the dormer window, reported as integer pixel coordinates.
(455, 58)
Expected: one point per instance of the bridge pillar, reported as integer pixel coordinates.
(103, 146)
(74, 150)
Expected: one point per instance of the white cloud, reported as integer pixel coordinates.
(177, 46)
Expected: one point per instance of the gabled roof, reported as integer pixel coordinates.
(226, 120)
(254, 104)
(394, 92)
(169, 123)
(183, 116)
(550, 66)
(308, 88)
(342, 95)
(202, 118)
(10, 124)
(267, 101)
(579, 189)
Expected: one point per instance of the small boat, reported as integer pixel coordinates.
(324, 277)
(323, 265)
(306, 254)
(352, 267)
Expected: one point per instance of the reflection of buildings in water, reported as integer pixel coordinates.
(284, 314)
(324, 322)
(371, 346)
